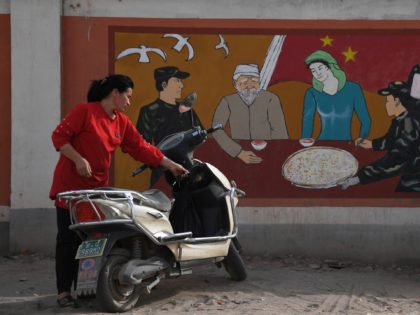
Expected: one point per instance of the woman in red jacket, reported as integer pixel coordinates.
(86, 139)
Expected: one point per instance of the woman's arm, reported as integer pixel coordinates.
(63, 134)
(134, 144)
(175, 168)
(82, 165)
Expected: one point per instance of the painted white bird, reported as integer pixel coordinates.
(182, 42)
(223, 45)
(143, 53)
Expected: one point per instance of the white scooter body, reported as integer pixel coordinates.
(151, 221)
(116, 223)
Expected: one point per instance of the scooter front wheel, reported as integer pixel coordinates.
(112, 295)
(234, 264)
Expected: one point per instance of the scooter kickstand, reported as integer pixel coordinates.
(153, 284)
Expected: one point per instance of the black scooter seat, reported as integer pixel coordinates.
(155, 198)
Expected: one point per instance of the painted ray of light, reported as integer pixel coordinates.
(271, 59)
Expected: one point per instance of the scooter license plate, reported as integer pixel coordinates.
(91, 248)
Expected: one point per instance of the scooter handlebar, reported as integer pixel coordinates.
(214, 128)
(240, 193)
(140, 169)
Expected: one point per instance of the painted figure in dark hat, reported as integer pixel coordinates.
(401, 142)
(166, 115)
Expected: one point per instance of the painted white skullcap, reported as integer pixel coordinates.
(415, 86)
(249, 69)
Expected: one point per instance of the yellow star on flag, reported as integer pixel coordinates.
(326, 41)
(350, 54)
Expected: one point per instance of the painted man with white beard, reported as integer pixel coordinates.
(252, 114)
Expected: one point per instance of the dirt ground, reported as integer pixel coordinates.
(285, 285)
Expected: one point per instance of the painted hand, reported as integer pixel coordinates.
(183, 108)
(349, 182)
(364, 143)
(249, 157)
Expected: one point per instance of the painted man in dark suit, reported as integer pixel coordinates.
(166, 115)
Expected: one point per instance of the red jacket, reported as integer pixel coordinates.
(95, 135)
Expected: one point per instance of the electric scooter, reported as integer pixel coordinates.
(132, 240)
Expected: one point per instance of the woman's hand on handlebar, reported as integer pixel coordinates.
(175, 168)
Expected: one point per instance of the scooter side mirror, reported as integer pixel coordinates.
(189, 100)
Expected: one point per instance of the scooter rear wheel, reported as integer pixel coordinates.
(112, 295)
(234, 264)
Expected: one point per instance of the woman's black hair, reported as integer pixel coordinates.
(100, 89)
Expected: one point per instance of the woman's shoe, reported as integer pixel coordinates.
(67, 301)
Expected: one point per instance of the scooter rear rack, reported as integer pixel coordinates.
(160, 238)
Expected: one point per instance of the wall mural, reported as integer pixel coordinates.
(304, 115)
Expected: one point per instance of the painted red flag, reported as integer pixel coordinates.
(372, 60)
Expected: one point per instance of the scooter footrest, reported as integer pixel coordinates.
(187, 271)
(174, 237)
(180, 272)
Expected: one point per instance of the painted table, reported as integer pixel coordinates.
(265, 185)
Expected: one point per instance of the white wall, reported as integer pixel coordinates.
(364, 234)
(253, 9)
(35, 41)
(4, 6)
